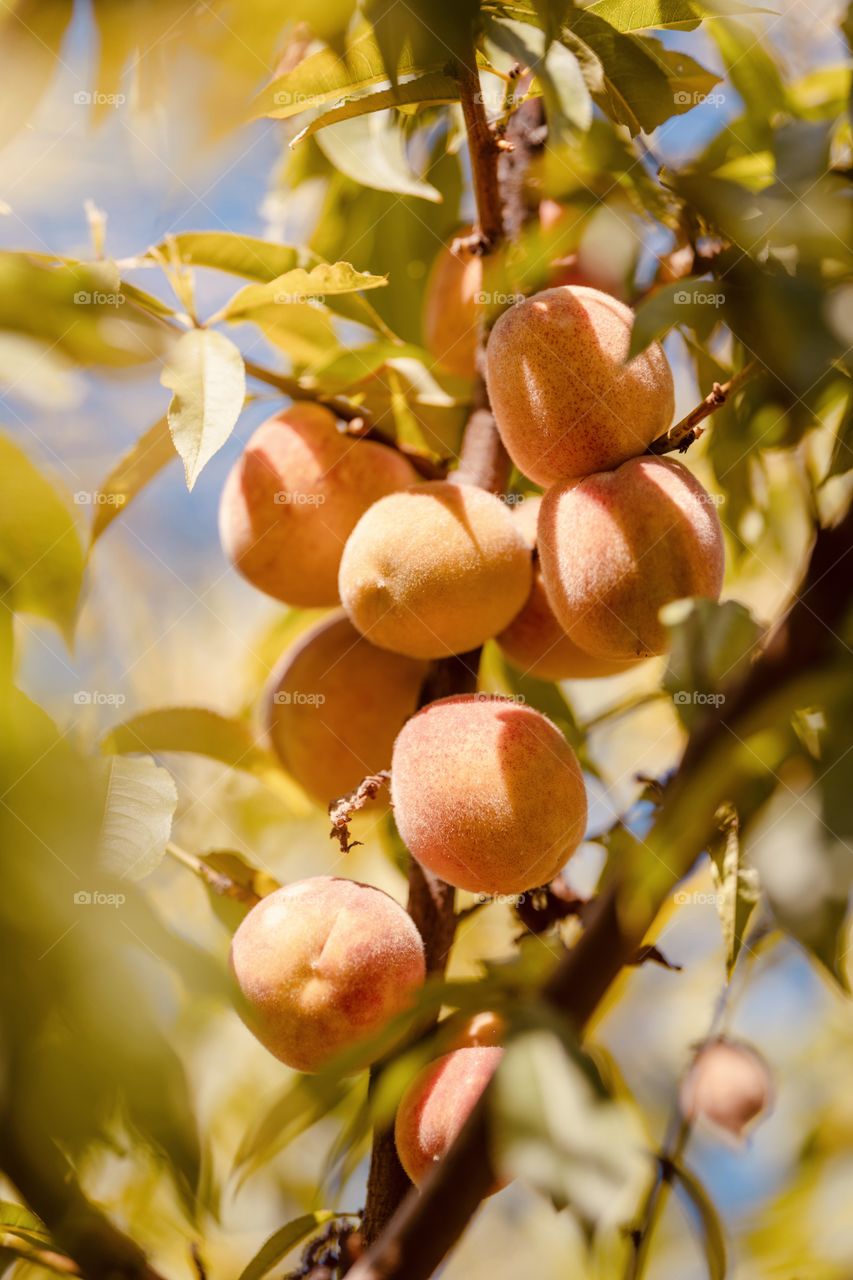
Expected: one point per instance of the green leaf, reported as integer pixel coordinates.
(713, 1239)
(324, 76)
(18, 1220)
(297, 285)
(751, 68)
(139, 805)
(568, 104)
(205, 733)
(711, 645)
(246, 256)
(699, 304)
(207, 378)
(434, 89)
(644, 15)
(145, 460)
(738, 890)
(31, 37)
(41, 556)
(301, 1105)
(281, 1243)
(303, 330)
(555, 1129)
(372, 150)
(231, 910)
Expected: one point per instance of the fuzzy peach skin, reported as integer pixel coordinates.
(435, 570)
(293, 497)
(565, 402)
(728, 1086)
(323, 964)
(534, 641)
(616, 547)
(487, 793)
(334, 705)
(436, 1105)
(451, 310)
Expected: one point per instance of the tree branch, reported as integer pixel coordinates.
(428, 1225)
(682, 435)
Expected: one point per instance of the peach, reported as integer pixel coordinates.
(534, 641)
(565, 402)
(487, 793)
(617, 546)
(728, 1086)
(293, 497)
(323, 964)
(334, 706)
(451, 311)
(479, 1031)
(435, 570)
(436, 1105)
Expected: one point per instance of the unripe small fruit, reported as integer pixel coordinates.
(323, 964)
(485, 1029)
(616, 547)
(436, 570)
(293, 497)
(728, 1086)
(565, 402)
(334, 706)
(451, 312)
(436, 1105)
(487, 794)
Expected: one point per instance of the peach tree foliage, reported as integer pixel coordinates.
(743, 252)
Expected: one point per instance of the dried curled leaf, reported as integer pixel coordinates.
(341, 811)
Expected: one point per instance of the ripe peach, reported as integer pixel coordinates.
(487, 793)
(451, 329)
(617, 546)
(436, 1105)
(534, 641)
(292, 499)
(334, 706)
(435, 570)
(728, 1085)
(323, 964)
(565, 402)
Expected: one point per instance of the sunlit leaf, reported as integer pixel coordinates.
(711, 645)
(372, 150)
(247, 256)
(139, 804)
(41, 557)
(738, 889)
(299, 284)
(432, 89)
(143, 461)
(206, 376)
(281, 1243)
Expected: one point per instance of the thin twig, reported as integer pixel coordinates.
(217, 881)
(683, 434)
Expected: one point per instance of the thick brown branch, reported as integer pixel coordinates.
(484, 153)
(682, 435)
(428, 1225)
